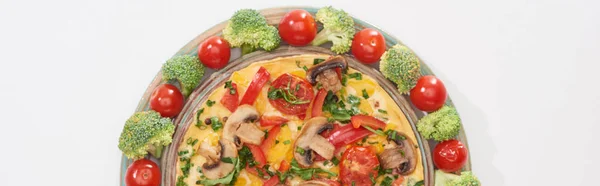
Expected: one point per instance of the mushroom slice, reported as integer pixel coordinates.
(310, 141)
(250, 133)
(214, 168)
(400, 156)
(325, 73)
(314, 183)
(241, 120)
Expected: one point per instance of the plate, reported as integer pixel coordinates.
(213, 79)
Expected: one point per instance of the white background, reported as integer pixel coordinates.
(523, 74)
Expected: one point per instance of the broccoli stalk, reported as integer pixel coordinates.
(145, 132)
(248, 29)
(401, 66)
(448, 179)
(338, 27)
(186, 69)
(440, 125)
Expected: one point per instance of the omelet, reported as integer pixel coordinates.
(293, 121)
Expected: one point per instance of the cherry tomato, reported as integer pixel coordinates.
(214, 52)
(358, 165)
(297, 28)
(142, 172)
(368, 45)
(229, 100)
(258, 81)
(450, 155)
(166, 100)
(429, 94)
(296, 86)
(368, 121)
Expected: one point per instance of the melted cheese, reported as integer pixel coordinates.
(378, 99)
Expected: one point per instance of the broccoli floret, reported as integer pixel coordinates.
(448, 179)
(440, 125)
(338, 27)
(400, 65)
(145, 132)
(186, 69)
(248, 29)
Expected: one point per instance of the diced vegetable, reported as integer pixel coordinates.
(368, 121)
(230, 98)
(260, 79)
(266, 121)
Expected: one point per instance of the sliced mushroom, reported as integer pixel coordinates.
(240, 127)
(311, 142)
(325, 73)
(314, 183)
(215, 168)
(399, 154)
(250, 133)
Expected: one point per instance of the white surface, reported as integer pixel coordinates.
(72, 72)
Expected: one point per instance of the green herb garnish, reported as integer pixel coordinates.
(365, 94)
(230, 87)
(210, 103)
(382, 111)
(356, 75)
(215, 123)
(317, 61)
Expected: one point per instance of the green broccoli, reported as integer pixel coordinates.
(145, 132)
(186, 69)
(440, 125)
(466, 178)
(338, 27)
(400, 65)
(249, 30)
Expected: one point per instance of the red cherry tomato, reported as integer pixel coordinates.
(450, 155)
(429, 94)
(214, 52)
(142, 172)
(358, 165)
(297, 28)
(298, 87)
(166, 100)
(368, 45)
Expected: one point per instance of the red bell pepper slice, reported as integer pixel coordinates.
(317, 107)
(258, 155)
(231, 101)
(346, 135)
(260, 79)
(339, 72)
(369, 121)
(274, 180)
(270, 140)
(284, 166)
(266, 121)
